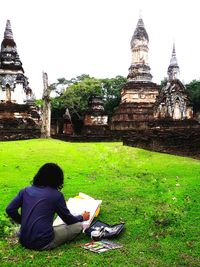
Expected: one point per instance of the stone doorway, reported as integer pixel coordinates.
(8, 93)
(177, 112)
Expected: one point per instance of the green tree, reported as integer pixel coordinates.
(75, 93)
(193, 89)
(75, 97)
(112, 93)
(60, 86)
(163, 83)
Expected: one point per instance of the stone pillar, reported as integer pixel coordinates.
(46, 109)
(8, 93)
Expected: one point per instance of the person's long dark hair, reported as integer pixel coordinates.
(50, 174)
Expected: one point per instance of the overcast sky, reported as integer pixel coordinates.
(66, 38)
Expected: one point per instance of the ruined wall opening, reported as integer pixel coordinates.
(8, 93)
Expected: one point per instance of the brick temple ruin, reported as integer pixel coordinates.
(154, 117)
(19, 118)
(149, 116)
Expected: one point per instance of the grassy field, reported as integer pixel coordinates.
(156, 195)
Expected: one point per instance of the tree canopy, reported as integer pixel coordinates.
(111, 89)
(193, 89)
(75, 93)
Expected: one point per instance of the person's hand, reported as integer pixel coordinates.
(86, 215)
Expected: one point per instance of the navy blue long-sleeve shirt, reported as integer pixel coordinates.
(38, 206)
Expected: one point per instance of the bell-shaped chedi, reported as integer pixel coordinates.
(95, 114)
(139, 93)
(96, 120)
(14, 85)
(173, 101)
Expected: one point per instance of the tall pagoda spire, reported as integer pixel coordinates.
(13, 82)
(9, 58)
(8, 31)
(173, 69)
(139, 93)
(139, 69)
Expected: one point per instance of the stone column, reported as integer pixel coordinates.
(46, 109)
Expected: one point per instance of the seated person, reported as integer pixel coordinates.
(39, 203)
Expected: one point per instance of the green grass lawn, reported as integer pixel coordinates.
(156, 195)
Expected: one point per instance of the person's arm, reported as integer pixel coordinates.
(64, 213)
(12, 208)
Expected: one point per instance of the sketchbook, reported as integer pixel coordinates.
(101, 246)
(77, 205)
